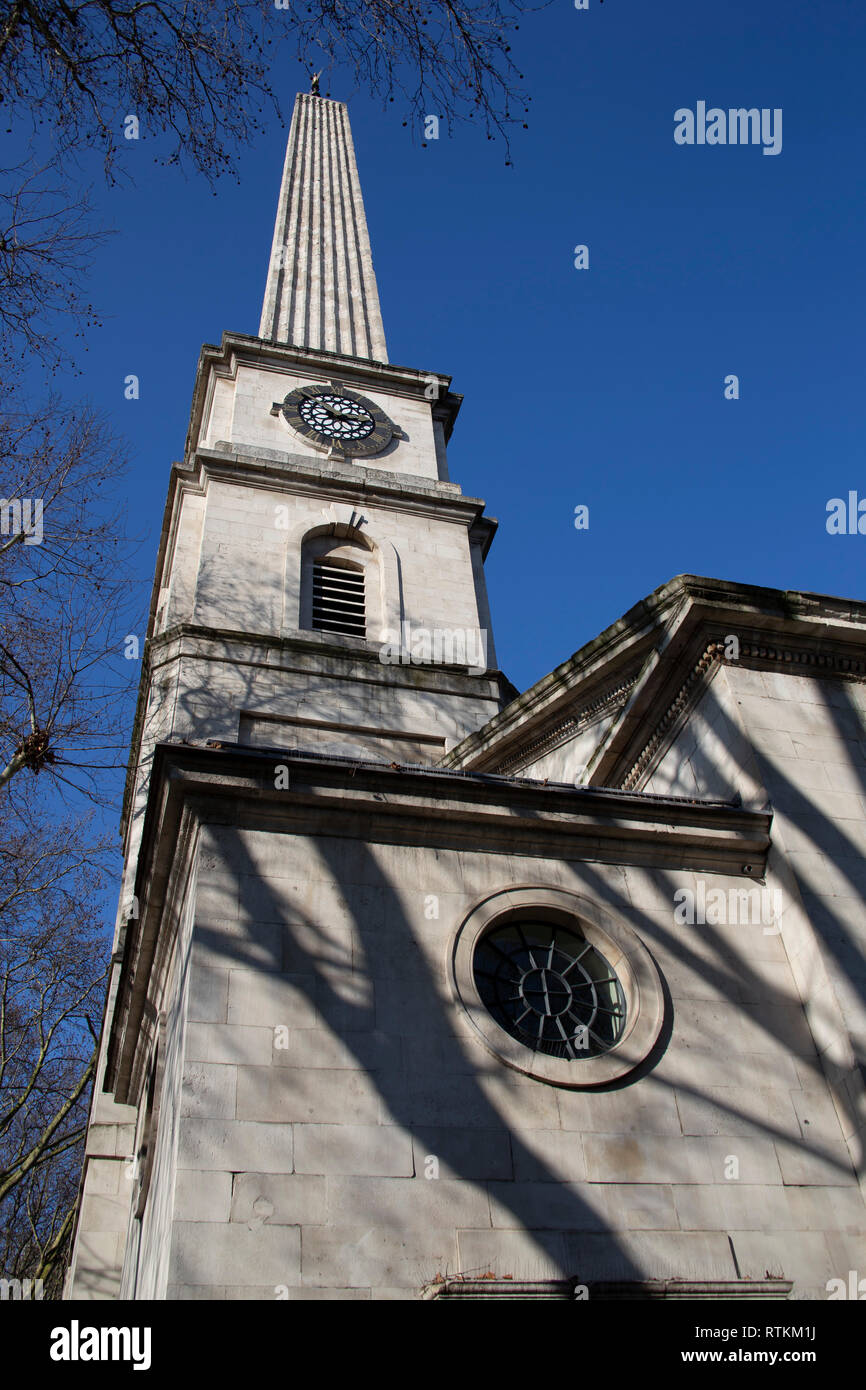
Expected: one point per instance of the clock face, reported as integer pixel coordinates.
(336, 420)
(337, 417)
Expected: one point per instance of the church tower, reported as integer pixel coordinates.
(421, 988)
(319, 587)
(313, 540)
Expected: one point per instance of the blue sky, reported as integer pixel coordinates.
(602, 387)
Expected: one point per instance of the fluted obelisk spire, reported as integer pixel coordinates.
(321, 290)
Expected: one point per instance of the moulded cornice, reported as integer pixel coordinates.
(659, 649)
(237, 348)
(396, 804)
(301, 474)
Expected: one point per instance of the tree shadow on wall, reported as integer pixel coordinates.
(431, 1083)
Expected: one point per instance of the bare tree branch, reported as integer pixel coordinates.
(198, 73)
(47, 242)
(66, 600)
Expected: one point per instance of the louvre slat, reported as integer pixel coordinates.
(340, 572)
(339, 581)
(328, 601)
(339, 591)
(350, 615)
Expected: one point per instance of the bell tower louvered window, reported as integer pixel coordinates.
(338, 598)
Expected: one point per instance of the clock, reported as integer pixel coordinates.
(333, 418)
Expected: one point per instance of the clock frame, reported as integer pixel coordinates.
(311, 409)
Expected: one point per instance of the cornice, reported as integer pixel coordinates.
(567, 727)
(237, 349)
(602, 666)
(668, 632)
(396, 804)
(673, 715)
(797, 658)
(335, 656)
(302, 475)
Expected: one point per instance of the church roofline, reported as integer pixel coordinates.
(645, 649)
(448, 773)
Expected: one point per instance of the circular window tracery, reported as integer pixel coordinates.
(550, 988)
(531, 962)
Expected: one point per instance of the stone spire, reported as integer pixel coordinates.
(321, 290)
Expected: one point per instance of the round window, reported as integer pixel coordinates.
(557, 985)
(550, 988)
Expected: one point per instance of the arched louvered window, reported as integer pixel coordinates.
(339, 602)
(340, 586)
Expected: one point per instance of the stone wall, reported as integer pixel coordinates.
(799, 742)
(327, 1066)
(148, 1243)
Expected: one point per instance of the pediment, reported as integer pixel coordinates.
(620, 700)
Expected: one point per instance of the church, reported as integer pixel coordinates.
(424, 987)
